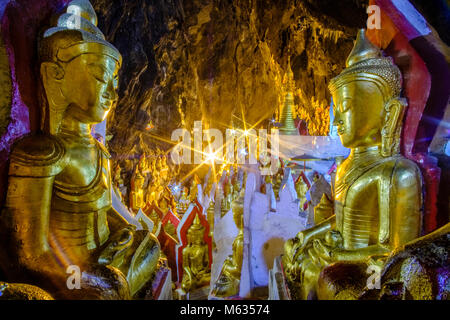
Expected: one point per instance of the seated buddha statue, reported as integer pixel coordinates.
(183, 202)
(164, 168)
(137, 194)
(378, 192)
(227, 198)
(193, 189)
(196, 271)
(150, 196)
(58, 211)
(210, 211)
(164, 206)
(277, 184)
(302, 187)
(236, 188)
(227, 285)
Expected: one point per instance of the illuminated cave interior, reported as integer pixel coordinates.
(225, 128)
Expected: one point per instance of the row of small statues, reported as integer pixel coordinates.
(148, 180)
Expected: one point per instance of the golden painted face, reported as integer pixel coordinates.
(89, 86)
(359, 108)
(195, 236)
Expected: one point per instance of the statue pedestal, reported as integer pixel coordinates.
(278, 289)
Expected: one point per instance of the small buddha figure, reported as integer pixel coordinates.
(164, 168)
(150, 196)
(227, 198)
(154, 216)
(159, 192)
(209, 188)
(152, 165)
(158, 164)
(378, 192)
(118, 181)
(227, 285)
(302, 186)
(183, 203)
(142, 166)
(277, 185)
(58, 210)
(210, 217)
(193, 190)
(236, 188)
(196, 270)
(163, 205)
(137, 195)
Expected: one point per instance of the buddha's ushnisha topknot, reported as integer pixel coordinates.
(73, 33)
(366, 62)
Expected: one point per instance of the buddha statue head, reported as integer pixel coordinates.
(78, 69)
(139, 182)
(368, 107)
(163, 204)
(196, 232)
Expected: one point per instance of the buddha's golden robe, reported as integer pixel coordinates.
(50, 223)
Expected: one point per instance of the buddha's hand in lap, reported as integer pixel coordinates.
(322, 251)
(119, 243)
(293, 248)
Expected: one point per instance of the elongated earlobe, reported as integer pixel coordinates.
(52, 75)
(390, 134)
(52, 71)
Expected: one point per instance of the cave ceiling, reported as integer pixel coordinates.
(219, 60)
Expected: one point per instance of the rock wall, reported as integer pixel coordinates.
(212, 60)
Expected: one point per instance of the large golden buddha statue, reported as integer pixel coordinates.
(378, 192)
(58, 211)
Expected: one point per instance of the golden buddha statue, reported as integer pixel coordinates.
(183, 203)
(378, 192)
(164, 173)
(156, 219)
(118, 177)
(193, 190)
(150, 196)
(164, 206)
(208, 188)
(302, 187)
(227, 285)
(236, 188)
(137, 196)
(277, 185)
(196, 271)
(227, 198)
(58, 209)
(210, 216)
(142, 165)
